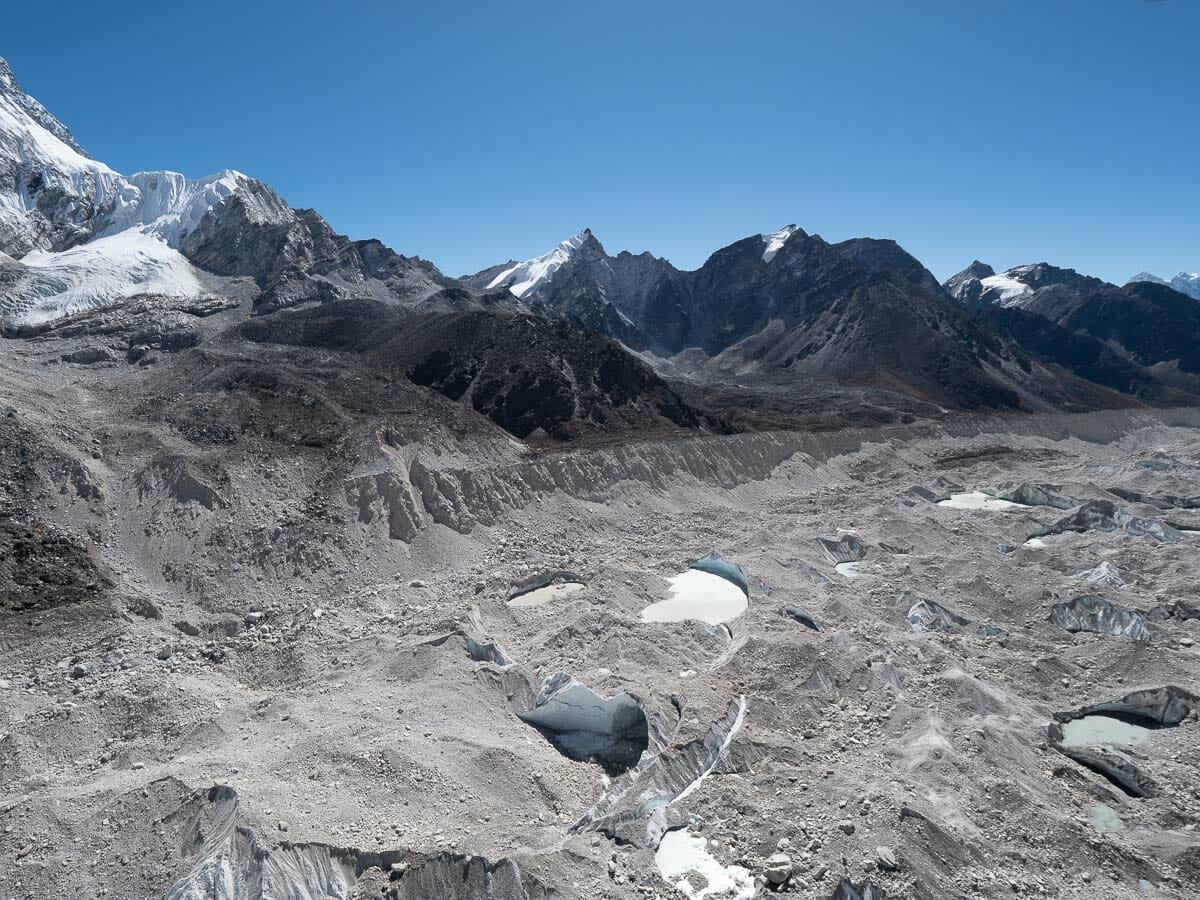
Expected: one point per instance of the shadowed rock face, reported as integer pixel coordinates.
(42, 566)
(531, 376)
(1099, 616)
(1151, 323)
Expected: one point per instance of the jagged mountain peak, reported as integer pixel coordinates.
(11, 88)
(775, 240)
(527, 277)
(1185, 282)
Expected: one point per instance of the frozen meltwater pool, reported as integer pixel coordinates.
(682, 856)
(698, 595)
(1104, 818)
(1091, 731)
(976, 500)
(546, 594)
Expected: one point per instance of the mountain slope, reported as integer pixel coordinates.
(1149, 324)
(537, 378)
(859, 312)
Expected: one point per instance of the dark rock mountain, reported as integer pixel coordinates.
(862, 312)
(532, 376)
(1149, 324)
(294, 256)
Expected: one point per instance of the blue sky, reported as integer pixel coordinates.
(1064, 130)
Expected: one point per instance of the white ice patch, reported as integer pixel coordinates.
(776, 241)
(525, 277)
(681, 854)
(1006, 288)
(1036, 543)
(698, 595)
(101, 271)
(976, 500)
(849, 569)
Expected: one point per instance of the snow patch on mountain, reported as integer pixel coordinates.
(776, 240)
(531, 274)
(100, 272)
(1004, 288)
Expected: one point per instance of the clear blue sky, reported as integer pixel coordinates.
(470, 132)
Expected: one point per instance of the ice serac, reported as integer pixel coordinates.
(635, 808)
(1099, 616)
(585, 726)
(1104, 515)
(846, 549)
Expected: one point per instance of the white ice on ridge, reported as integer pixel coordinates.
(531, 274)
(1006, 288)
(167, 204)
(776, 241)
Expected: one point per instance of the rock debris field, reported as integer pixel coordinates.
(952, 660)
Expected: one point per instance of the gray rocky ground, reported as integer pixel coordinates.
(256, 640)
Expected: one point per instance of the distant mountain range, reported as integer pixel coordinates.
(768, 315)
(1184, 282)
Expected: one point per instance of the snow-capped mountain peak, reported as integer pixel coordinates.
(775, 241)
(10, 88)
(1184, 282)
(75, 233)
(528, 276)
